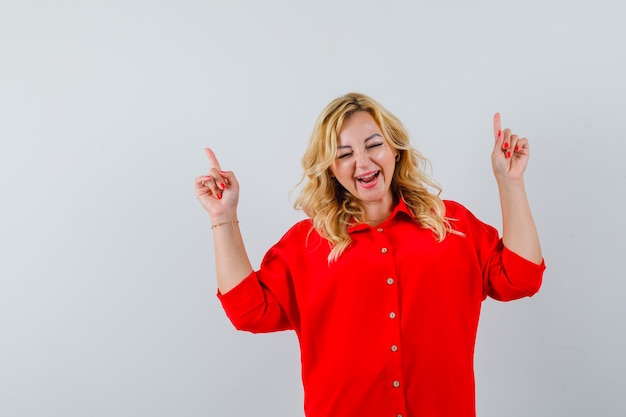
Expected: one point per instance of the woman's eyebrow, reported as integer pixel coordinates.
(372, 137)
(366, 139)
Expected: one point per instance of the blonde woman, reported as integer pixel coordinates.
(383, 283)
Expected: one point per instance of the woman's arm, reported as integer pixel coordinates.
(218, 192)
(509, 160)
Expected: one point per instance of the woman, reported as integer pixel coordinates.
(383, 283)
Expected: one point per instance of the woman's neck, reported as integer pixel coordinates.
(376, 213)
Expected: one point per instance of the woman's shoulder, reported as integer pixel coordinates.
(457, 211)
(464, 219)
(454, 208)
(300, 229)
(300, 226)
(300, 239)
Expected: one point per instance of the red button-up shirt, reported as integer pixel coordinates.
(388, 329)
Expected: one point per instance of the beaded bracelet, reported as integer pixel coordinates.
(222, 224)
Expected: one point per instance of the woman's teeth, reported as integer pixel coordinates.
(368, 178)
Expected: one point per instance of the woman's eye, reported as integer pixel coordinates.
(345, 155)
(374, 145)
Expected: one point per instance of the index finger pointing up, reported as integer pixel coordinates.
(497, 126)
(212, 158)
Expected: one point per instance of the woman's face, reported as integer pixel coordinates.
(365, 162)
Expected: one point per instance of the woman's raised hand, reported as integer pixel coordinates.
(510, 153)
(218, 191)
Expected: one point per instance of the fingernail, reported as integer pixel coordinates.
(222, 185)
(499, 133)
(508, 154)
(506, 145)
(516, 148)
(219, 196)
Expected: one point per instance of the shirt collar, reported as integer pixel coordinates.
(401, 207)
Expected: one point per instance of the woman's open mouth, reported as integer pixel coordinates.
(368, 180)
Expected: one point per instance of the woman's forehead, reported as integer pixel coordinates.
(359, 126)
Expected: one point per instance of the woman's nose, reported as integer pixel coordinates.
(362, 159)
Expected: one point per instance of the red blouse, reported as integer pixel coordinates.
(388, 329)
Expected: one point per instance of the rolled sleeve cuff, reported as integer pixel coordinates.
(243, 298)
(528, 275)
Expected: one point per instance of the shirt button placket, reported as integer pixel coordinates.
(392, 307)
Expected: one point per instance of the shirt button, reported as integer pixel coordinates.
(392, 315)
(380, 229)
(394, 348)
(389, 281)
(384, 250)
(396, 384)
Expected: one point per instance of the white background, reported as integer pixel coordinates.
(107, 286)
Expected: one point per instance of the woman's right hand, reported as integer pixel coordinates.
(218, 191)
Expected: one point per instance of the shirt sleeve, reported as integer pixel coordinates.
(265, 300)
(506, 275)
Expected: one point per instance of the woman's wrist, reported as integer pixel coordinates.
(227, 223)
(223, 217)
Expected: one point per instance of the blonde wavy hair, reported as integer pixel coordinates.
(331, 207)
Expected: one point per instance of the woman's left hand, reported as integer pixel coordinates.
(510, 153)
(509, 160)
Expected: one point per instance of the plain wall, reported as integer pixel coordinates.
(107, 283)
